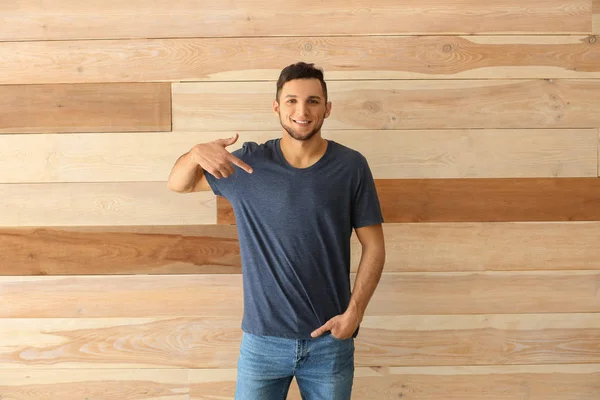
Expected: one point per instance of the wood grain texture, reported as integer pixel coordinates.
(77, 204)
(127, 343)
(109, 107)
(44, 251)
(492, 153)
(548, 382)
(207, 249)
(59, 20)
(472, 246)
(213, 342)
(478, 200)
(134, 157)
(490, 200)
(118, 157)
(221, 295)
(544, 382)
(412, 104)
(486, 292)
(596, 17)
(105, 384)
(376, 57)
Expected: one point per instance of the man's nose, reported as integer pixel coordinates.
(302, 109)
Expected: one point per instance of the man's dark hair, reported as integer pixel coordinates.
(300, 70)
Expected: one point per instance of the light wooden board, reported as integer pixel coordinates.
(55, 19)
(550, 382)
(213, 342)
(117, 157)
(105, 384)
(135, 157)
(65, 204)
(478, 200)
(412, 104)
(596, 17)
(127, 343)
(221, 295)
(109, 107)
(544, 382)
(487, 292)
(262, 58)
(201, 249)
(472, 246)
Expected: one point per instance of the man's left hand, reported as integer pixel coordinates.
(341, 326)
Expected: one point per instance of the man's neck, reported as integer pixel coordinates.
(303, 153)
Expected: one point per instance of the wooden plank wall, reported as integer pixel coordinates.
(480, 122)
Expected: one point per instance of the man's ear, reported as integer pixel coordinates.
(327, 109)
(275, 107)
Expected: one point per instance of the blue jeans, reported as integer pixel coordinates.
(323, 367)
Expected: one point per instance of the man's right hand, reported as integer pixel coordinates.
(216, 160)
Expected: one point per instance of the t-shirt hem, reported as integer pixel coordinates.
(288, 335)
(285, 335)
(369, 223)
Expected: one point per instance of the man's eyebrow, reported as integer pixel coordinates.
(310, 97)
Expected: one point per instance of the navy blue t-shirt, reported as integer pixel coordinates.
(294, 227)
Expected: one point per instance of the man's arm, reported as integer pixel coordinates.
(369, 272)
(369, 268)
(188, 173)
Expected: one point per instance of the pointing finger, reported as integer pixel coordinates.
(241, 164)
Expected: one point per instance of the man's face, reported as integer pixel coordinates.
(302, 108)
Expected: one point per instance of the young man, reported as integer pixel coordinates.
(296, 200)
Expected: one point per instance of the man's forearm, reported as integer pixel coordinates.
(367, 279)
(184, 174)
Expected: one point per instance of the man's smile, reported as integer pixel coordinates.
(301, 121)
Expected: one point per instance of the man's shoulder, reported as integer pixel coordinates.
(254, 149)
(347, 153)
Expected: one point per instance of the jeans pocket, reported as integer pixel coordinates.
(339, 339)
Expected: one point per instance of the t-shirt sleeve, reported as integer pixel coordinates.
(366, 209)
(227, 187)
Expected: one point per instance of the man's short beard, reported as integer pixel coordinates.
(296, 136)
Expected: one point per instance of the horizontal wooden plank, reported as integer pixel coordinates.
(47, 251)
(486, 292)
(389, 104)
(478, 200)
(491, 200)
(262, 58)
(202, 249)
(123, 157)
(575, 382)
(473, 246)
(67, 204)
(105, 384)
(115, 157)
(213, 342)
(567, 382)
(596, 17)
(57, 20)
(127, 343)
(221, 295)
(108, 107)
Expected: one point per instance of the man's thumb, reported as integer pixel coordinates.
(231, 140)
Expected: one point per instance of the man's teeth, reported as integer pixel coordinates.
(302, 122)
